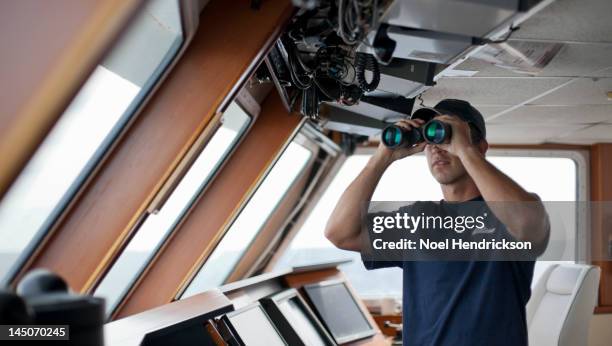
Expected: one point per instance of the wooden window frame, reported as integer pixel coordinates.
(165, 192)
(60, 52)
(274, 221)
(290, 215)
(601, 191)
(189, 23)
(211, 215)
(313, 200)
(93, 230)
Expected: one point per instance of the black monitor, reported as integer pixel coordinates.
(339, 311)
(251, 326)
(296, 322)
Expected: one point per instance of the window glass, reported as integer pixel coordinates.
(553, 179)
(251, 219)
(86, 129)
(157, 227)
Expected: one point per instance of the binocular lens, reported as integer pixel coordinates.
(436, 132)
(392, 136)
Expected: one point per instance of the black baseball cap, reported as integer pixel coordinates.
(459, 108)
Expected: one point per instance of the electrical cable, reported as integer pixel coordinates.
(504, 39)
(420, 98)
(367, 62)
(354, 18)
(327, 69)
(296, 76)
(341, 22)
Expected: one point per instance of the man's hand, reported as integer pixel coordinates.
(344, 226)
(525, 221)
(388, 155)
(460, 137)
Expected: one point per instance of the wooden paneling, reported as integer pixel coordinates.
(204, 227)
(601, 190)
(603, 309)
(273, 225)
(327, 177)
(298, 280)
(49, 48)
(173, 317)
(382, 319)
(131, 331)
(225, 49)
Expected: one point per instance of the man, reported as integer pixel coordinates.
(455, 302)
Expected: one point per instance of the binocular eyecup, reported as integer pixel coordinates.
(433, 132)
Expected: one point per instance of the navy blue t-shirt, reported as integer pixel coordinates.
(464, 302)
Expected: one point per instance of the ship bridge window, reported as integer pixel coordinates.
(553, 175)
(251, 219)
(86, 130)
(157, 227)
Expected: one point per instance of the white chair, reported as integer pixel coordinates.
(561, 305)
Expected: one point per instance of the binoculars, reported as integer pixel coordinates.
(433, 132)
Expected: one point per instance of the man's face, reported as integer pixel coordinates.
(445, 167)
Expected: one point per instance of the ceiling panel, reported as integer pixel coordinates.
(601, 133)
(574, 60)
(490, 91)
(570, 20)
(489, 111)
(486, 69)
(526, 134)
(396, 85)
(557, 114)
(579, 92)
(581, 60)
(566, 102)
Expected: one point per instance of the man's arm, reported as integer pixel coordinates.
(344, 225)
(526, 221)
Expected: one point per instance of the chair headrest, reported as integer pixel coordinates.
(563, 279)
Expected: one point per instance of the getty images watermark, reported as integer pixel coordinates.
(424, 231)
(475, 225)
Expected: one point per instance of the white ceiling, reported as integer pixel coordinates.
(566, 102)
